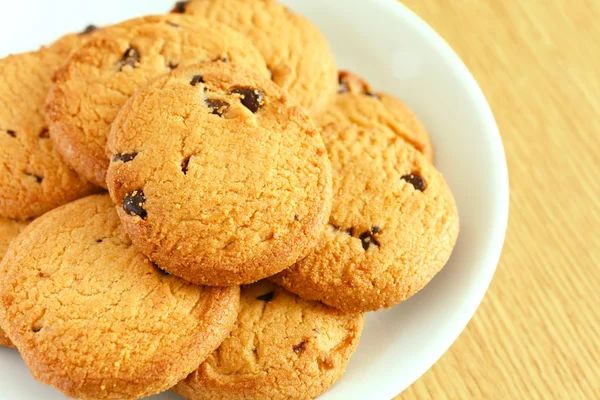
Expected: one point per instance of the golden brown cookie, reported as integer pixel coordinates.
(357, 103)
(9, 229)
(220, 177)
(296, 52)
(282, 347)
(33, 178)
(101, 75)
(392, 227)
(96, 319)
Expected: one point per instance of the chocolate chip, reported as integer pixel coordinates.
(350, 231)
(44, 134)
(297, 217)
(252, 98)
(134, 204)
(196, 79)
(38, 178)
(11, 133)
(36, 328)
(267, 297)
(416, 180)
(375, 229)
(180, 7)
(173, 65)
(124, 157)
(130, 57)
(299, 348)
(89, 29)
(218, 107)
(366, 238)
(100, 240)
(184, 165)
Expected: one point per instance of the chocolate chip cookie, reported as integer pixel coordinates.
(9, 229)
(296, 52)
(33, 178)
(282, 347)
(392, 227)
(101, 75)
(358, 103)
(219, 176)
(96, 319)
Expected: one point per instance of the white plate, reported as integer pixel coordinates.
(398, 53)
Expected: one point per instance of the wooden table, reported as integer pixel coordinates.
(537, 332)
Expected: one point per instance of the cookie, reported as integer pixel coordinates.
(219, 176)
(33, 178)
(392, 227)
(101, 75)
(296, 52)
(96, 319)
(282, 347)
(358, 103)
(9, 229)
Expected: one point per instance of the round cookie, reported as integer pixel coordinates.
(357, 103)
(96, 319)
(392, 227)
(296, 52)
(282, 347)
(220, 177)
(33, 178)
(9, 229)
(100, 76)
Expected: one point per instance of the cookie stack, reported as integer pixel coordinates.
(259, 204)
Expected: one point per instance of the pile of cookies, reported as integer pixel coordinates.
(200, 201)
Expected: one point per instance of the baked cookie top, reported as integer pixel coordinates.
(100, 76)
(358, 103)
(296, 52)
(33, 178)
(282, 347)
(220, 177)
(392, 227)
(94, 318)
(9, 229)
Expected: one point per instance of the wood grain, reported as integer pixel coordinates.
(537, 332)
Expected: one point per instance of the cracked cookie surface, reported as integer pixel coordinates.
(282, 347)
(96, 319)
(101, 75)
(358, 103)
(392, 227)
(9, 229)
(220, 177)
(33, 177)
(296, 52)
